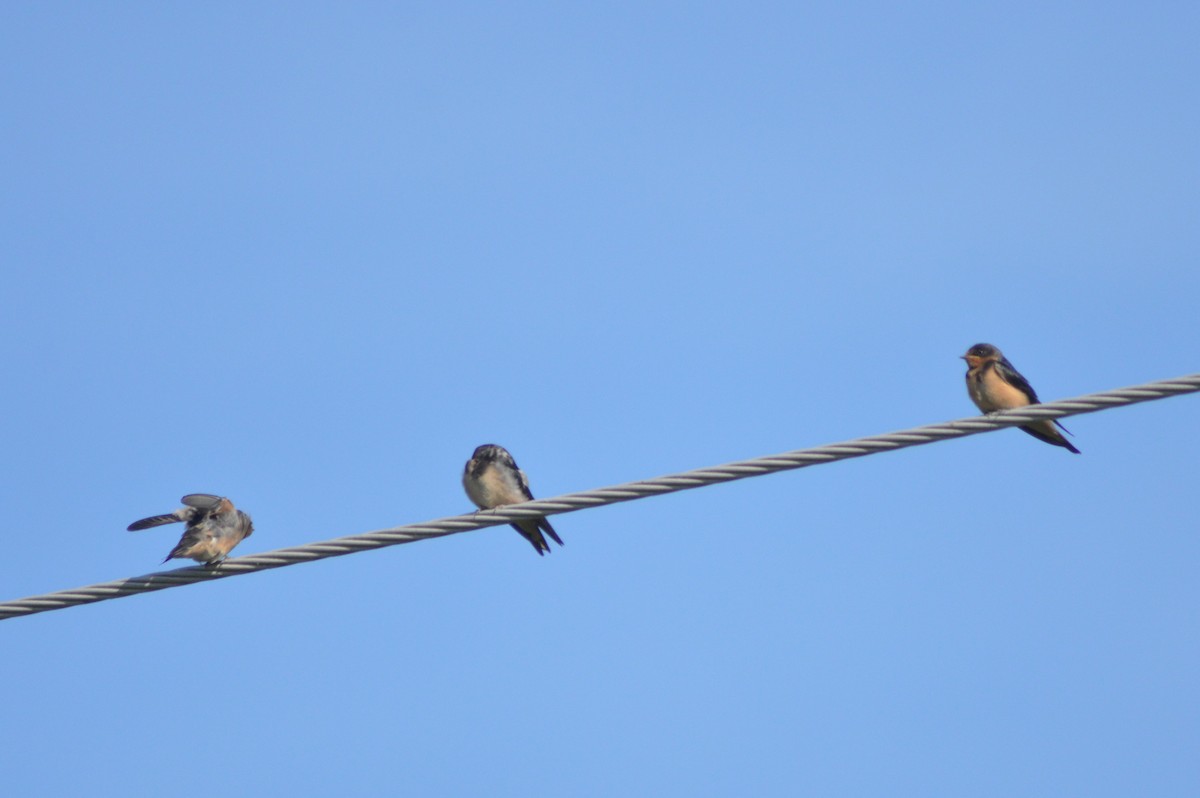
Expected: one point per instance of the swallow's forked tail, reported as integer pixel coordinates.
(544, 525)
(1046, 432)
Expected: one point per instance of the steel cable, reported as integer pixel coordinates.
(629, 491)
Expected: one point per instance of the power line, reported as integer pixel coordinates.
(629, 491)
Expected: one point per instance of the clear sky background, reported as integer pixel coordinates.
(310, 255)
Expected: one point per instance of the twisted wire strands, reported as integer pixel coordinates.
(629, 491)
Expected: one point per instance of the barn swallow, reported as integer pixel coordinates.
(492, 479)
(994, 385)
(214, 527)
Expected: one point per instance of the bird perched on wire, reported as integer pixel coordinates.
(994, 385)
(492, 479)
(214, 527)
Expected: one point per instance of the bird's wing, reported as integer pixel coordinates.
(1006, 372)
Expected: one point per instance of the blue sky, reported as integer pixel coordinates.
(310, 255)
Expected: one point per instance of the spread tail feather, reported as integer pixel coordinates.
(153, 521)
